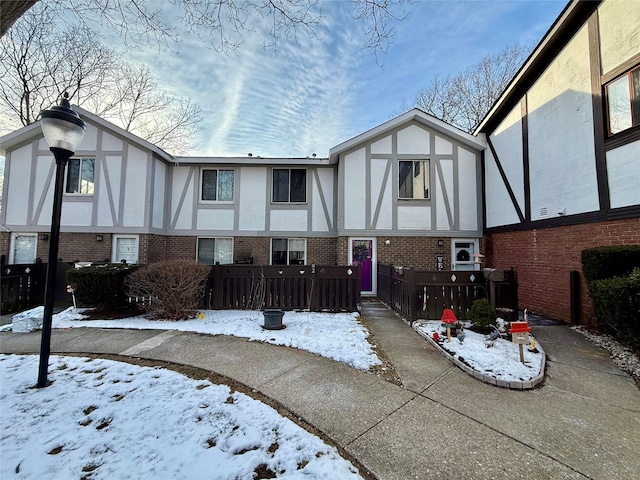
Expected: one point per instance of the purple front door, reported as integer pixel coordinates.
(362, 254)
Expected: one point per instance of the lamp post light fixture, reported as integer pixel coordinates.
(63, 130)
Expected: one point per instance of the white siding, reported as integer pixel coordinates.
(109, 142)
(382, 146)
(385, 216)
(184, 219)
(109, 180)
(253, 194)
(76, 214)
(443, 146)
(623, 168)
(43, 184)
(561, 144)
(318, 218)
(89, 142)
(354, 190)
(442, 218)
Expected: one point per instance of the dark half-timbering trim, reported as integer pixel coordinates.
(483, 187)
(619, 139)
(579, 219)
(524, 111)
(598, 111)
(503, 175)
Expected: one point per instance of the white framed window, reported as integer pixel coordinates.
(288, 251)
(217, 185)
(214, 250)
(413, 179)
(289, 185)
(23, 248)
(462, 254)
(80, 176)
(125, 247)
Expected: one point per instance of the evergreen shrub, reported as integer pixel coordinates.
(101, 286)
(482, 316)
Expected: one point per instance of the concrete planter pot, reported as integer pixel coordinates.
(273, 320)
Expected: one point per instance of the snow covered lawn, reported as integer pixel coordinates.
(102, 419)
(338, 336)
(501, 361)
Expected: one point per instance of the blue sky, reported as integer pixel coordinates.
(313, 94)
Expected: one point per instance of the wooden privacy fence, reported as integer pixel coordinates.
(301, 287)
(22, 286)
(421, 294)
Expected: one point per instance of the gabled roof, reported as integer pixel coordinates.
(570, 20)
(253, 161)
(418, 116)
(32, 130)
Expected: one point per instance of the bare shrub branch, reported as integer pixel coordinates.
(174, 287)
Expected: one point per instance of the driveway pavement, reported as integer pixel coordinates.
(583, 422)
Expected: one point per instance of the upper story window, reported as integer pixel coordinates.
(623, 101)
(217, 185)
(80, 175)
(289, 185)
(413, 179)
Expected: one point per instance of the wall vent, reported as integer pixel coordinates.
(543, 211)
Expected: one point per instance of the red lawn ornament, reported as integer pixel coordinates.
(448, 320)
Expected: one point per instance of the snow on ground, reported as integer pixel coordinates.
(338, 336)
(102, 419)
(501, 361)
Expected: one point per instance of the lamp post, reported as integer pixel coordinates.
(64, 130)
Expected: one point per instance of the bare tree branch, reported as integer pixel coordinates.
(464, 99)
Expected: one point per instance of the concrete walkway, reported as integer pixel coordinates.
(584, 422)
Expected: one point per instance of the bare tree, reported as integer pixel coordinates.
(38, 64)
(221, 23)
(464, 99)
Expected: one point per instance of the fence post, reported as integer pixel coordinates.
(216, 290)
(412, 293)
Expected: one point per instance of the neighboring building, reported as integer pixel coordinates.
(562, 167)
(402, 193)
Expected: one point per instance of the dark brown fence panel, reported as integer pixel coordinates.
(425, 294)
(20, 287)
(300, 287)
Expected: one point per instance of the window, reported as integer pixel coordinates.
(80, 173)
(462, 254)
(215, 250)
(413, 179)
(217, 185)
(288, 251)
(23, 248)
(125, 248)
(289, 185)
(623, 102)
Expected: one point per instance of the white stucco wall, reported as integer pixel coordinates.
(619, 32)
(109, 180)
(135, 189)
(443, 146)
(413, 140)
(184, 219)
(288, 220)
(75, 214)
(15, 204)
(378, 167)
(500, 209)
(507, 140)
(442, 218)
(252, 195)
(318, 217)
(383, 146)
(623, 169)
(214, 219)
(414, 217)
(467, 190)
(41, 188)
(354, 190)
(159, 195)
(109, 142)
(561, 144)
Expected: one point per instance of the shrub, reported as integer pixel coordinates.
(101, 286)
(482, 315)
(609, 262)
(174, 288)
(616, 302)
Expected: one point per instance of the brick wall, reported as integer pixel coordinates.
(544, 259)
(321, 251)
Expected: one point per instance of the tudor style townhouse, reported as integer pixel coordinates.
(554, 168)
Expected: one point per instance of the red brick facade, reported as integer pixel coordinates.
(545, 257)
